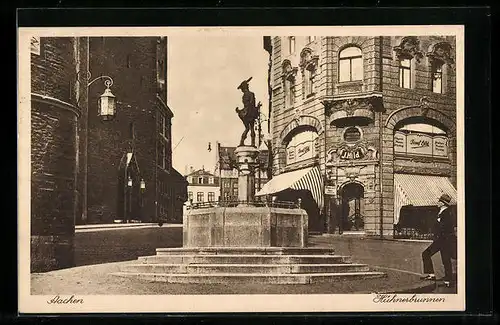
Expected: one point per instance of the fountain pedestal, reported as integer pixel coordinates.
(245, 225)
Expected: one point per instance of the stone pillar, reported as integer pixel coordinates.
(247, 156)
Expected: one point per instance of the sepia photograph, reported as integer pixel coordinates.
(195, 169)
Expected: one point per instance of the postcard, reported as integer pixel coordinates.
(241, 169)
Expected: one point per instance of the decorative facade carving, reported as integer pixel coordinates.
(289, 72)
(409, 48)
(308, 61)
(441, 52)
(360, 151)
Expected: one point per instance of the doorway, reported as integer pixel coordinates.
(352, 208)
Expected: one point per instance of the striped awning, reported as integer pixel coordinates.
(420, 190)
(304, 179)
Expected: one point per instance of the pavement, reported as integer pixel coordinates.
(100, 253)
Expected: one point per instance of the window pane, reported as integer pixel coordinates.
(344, 70)
(405, 63)
(401, 79)
(406, 78)
(357, 69)
(436, 83)
(350, 51)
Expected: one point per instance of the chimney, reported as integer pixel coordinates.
(191, 169)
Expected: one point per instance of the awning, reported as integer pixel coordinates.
(304, 179)
(420, 190)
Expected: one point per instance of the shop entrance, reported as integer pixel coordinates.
(352, 208)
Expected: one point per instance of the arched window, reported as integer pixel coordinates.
(350, 64)
(421, 139)
(301, 146)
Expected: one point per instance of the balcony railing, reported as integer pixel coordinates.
(235, 203)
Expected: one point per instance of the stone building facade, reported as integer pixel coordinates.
(365, 110)
(89, 170)
(203, 187)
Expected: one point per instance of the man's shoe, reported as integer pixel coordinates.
(446, 284)
(428, 277)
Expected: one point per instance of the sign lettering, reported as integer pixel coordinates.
(421, 144)
(348, 154)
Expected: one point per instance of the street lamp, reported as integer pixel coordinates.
(107, 101)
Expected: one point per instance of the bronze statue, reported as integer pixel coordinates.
(249, 113)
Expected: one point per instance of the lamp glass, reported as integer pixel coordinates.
(143, 184)
(107, 103)
(129, 182)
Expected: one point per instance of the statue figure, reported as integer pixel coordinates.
(249, 113)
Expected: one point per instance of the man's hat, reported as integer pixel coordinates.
(244, 83)
(445, 198)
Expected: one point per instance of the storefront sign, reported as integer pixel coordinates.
(330, 190)
(399, 142)
(299, 152)
(421, 144)
(440, 146)
(350, 154)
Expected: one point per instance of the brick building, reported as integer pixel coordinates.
(376, 116)
(86, 169)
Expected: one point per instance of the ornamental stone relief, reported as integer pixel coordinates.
(441, 52)
(361, 151)
(409, 48)
(289, 72)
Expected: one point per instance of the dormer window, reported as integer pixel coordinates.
(350, 64)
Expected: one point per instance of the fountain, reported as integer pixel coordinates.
(247, 240)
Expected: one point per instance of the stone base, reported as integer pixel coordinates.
(238, 265)
(245, 227)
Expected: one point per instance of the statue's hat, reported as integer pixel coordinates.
(244, 83)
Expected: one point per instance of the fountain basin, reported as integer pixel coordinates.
(248, 226)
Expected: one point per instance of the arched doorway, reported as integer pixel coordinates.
(352, 208)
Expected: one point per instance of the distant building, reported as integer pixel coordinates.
(203, 186)
(226, 168)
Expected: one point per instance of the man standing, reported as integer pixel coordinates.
(444, 242)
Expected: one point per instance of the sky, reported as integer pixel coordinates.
(203, 75)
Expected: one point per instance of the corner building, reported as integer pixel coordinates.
(376, 116)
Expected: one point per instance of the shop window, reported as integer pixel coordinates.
(352, 134)
(350, 64)
(437, 77)
(405, 73)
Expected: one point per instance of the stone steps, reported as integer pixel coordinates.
(243, 278)
(240, 265)
(245, 251)
(245, 268)
(244, 259)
